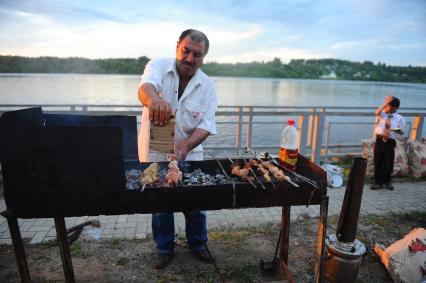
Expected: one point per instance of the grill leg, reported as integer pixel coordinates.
(64, 249)
(18, 246)
(322, 225)
(285, 233)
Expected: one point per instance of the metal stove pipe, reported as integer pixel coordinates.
(344, 252)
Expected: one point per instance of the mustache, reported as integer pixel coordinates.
(188, 63)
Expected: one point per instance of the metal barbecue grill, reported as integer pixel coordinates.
(66, 165)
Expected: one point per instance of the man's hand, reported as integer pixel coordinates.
(159, 111)
(186, 145)
(181, 150)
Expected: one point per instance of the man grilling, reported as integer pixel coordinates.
(179, 86)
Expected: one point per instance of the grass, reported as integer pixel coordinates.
(205, 276)
(75, 250)
(49, 244)
(241, 273)
(122, 261)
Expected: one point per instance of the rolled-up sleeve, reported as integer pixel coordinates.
(208, 121)
(153, 74)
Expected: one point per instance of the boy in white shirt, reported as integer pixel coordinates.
(390, 125)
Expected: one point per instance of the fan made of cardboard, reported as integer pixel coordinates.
(162, 137)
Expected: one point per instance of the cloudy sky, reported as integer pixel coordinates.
(393, 32)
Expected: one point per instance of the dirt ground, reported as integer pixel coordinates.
(237, 252)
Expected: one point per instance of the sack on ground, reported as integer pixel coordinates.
(400, 165)
(368, 153)
(417, 158)
(400, 161)
(405, 258)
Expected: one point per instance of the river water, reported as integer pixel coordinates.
(122, 89)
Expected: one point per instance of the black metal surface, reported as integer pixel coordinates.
(126, 123)
(53, 171)
(23, 117)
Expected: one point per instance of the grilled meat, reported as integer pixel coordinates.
(150, 174)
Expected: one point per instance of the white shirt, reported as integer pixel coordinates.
(396, 121)
(195, 109)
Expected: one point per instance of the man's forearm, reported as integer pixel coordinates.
(380, 109)
(196, 138)
(186, 145)
(147, 94)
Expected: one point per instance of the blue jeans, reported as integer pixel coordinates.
(163, 230)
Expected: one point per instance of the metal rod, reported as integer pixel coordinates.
(320, 253)
(18, 246)
(285, 228)
(64, 249)
(287, 179)
(307, 180)
(221, 167)
(287, 273)
(348, 220)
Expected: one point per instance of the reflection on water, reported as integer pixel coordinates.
(122, 89)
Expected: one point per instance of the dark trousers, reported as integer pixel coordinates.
(384, 154)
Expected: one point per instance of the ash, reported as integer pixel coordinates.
(197, 178)
(133, 179)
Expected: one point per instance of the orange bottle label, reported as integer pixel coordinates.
(288, 156)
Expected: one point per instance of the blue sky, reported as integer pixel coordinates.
(393, 32)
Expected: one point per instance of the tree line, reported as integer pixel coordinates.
(300, 68)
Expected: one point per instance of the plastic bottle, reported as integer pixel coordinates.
(289, 151)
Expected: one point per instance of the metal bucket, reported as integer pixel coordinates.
(343, 260)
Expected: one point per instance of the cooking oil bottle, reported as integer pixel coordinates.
(289, 151)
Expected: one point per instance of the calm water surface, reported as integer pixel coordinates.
(122, 89)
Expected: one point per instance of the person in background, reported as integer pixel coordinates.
(178, 85)
(390, 125)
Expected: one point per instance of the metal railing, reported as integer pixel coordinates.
(312, 123)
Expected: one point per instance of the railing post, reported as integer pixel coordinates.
(303, 133)
(249, 127)
(327, 140)
(416, 131)
(311, 127)
(318, 130)
(239, 126)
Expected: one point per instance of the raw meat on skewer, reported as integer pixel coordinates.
(243, 173)
(174, 175)
(275, 171)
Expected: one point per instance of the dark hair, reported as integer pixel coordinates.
(395, 102)
(196, 36)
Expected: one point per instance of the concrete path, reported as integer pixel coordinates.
(406, 197)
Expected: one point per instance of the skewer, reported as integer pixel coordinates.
(251, 170)
(221, 167)
(143, 187)
(307, 180)
(230, 160)
(287, 179)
